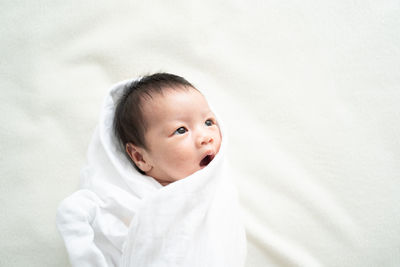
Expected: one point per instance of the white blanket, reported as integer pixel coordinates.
(123, 218)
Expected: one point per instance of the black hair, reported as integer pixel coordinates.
(129, 124)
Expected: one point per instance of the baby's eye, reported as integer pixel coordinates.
(209, 122)
(180, 130)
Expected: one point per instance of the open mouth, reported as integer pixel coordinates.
(206, 160)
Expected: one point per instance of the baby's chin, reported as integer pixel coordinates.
(201, 165)
(182, 176)
(166, 181)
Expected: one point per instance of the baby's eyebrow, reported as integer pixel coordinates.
(172, 124)
(208, 112)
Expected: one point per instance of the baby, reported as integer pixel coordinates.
(166, 127)
(120, 217)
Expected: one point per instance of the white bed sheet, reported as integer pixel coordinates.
(310, 92)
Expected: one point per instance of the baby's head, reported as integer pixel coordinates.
(166, 127)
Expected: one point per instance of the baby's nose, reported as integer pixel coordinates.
(206, 139)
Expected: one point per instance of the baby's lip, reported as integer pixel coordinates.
(207, 158)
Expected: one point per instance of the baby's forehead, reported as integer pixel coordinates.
(175, 103)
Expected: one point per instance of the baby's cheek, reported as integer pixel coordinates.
(183, 161)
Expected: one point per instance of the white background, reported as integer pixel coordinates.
(309, 91)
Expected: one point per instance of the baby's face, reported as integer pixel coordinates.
(182, 137)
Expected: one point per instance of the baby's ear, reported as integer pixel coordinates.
(137, 155)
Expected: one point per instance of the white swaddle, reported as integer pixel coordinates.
(120, 217)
